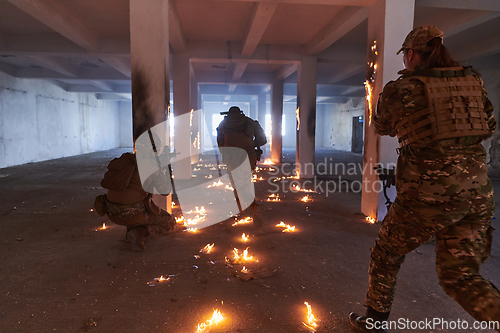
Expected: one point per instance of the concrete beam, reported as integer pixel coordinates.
(56, 64)
(239, 70)
(345, 21)
(102, 85)
(286, 71)
(176, 35)
(54, 15)
(261, 16)
(94, 88)
(316, 2)
(222, 78)
(470, 24)
(121, 64)
(488, 5)
(86, 74)
(348, 72)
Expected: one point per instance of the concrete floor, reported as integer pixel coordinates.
(57, 273)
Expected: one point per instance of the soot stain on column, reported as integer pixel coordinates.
(142, 117)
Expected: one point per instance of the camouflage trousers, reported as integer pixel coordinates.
(458, 214)
(156, 220)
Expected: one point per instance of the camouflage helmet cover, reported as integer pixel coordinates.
(418, 38)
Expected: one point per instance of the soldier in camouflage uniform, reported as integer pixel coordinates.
(442, 185)
(128, 204)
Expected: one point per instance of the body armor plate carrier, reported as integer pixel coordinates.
(454, 108)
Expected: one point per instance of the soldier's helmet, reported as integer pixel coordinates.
(418, 38)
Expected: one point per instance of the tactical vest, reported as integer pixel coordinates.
(454, 108)
(238, 136)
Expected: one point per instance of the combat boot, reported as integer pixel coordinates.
(137, 239)
(371, 323)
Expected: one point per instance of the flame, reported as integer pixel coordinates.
(371, 220)
(246, 220)
(297, 115)
(255, 179)
(238, 258)
(268, 162)
(209, 177)
(195, 142)
(193, 230)
(161, 279)
(217, 317)
(244, 270)
(230, 188)
(200, 211)
(91, 209)
(369, 90)
(297, 188)
(217, 183)
(173, 204)
(244, 237)
(104, 226)
(288, 228)
(311, 320)
(196, 169)
(274, 197)
(304, 199)
(207, 248)
(191, 118)
(179, 219)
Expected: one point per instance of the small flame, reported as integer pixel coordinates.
(104, 226)
(216, 318)
(196, 169)
(217, 183)
(297, 188)
(179, 219)
(173, 204)
(243, 221)
(209, 177)
(297, 115)
(241, 257)
(371, 220)
(229, 188)
(244, 237)
(256, 179)
(304, 199)
(288, 228)
(311, 320)
(161, 279)
(200, 211)
(244, 270)
(91, 209)
(274, 197)
(268, 162)
(193, 230)
(207, 248)
(369, 90)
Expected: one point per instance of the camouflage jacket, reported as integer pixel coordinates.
(406, 95)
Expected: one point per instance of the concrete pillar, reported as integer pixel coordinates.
(261, 117)
(182, 108)
(276, 141)
(306, 104)
(149, 60)
(195, 120)
(389, 22)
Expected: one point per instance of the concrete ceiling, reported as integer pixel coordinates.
(84, 45)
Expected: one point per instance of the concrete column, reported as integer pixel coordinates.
(306, 104)
(182, 108)
(149, 60)
(195, 120)
(389, 22)
(261, 118)
(276, 141)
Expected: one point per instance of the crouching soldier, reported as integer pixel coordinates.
(127, 203)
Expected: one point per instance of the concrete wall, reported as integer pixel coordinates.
(338, 123)
(40, 121)
(125, 123)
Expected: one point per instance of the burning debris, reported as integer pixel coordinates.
(246, 274)
(274, 197)
(287, 227)
(246, 220)
(305, 199)
(239, 258)
(207, 248)
(244, 237)
(311, 320)
(256, 179)
(230, 188)
(104, 227)
(217, 183)
(217, 317)
(268, 162)
(297, 188)
(371, 220)
(162, 279)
